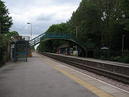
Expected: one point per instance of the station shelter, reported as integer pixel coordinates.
(19, 50)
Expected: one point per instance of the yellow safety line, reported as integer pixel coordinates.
(90, 87)
(83, 83)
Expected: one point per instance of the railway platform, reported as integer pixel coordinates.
(44, 77)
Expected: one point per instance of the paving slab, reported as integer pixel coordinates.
(104, 87)
(35, 78)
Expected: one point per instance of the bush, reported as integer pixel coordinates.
(124, 59)
(3, 49)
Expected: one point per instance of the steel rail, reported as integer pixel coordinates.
(121, 76)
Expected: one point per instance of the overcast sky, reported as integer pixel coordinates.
(41, 13)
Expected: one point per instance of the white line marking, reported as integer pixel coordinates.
(89, 76)
(96, 79)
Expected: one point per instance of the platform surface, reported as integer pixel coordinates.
(36, 78)
(44, 77)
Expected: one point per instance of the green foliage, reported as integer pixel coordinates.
(5, 24)
(98, 23)
(4, 44)
(124, 59)
(45, 46)
(58, 29)
(102, 22)
(13, 33)
(52, 45)
(3, 41)
(3, 48)
(88, 22)
(5, 19)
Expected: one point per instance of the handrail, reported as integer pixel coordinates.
(68, 37)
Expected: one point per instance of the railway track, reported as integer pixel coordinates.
(111, 69)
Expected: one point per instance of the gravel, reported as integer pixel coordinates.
(102, 78)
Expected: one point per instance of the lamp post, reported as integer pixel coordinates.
(30, 30)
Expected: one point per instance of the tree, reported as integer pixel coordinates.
(52, 45)
(58, 29)
(98, 22)
(5, 19)
(5, 24)
(87, 20)
(12, 33)
(125, 20)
